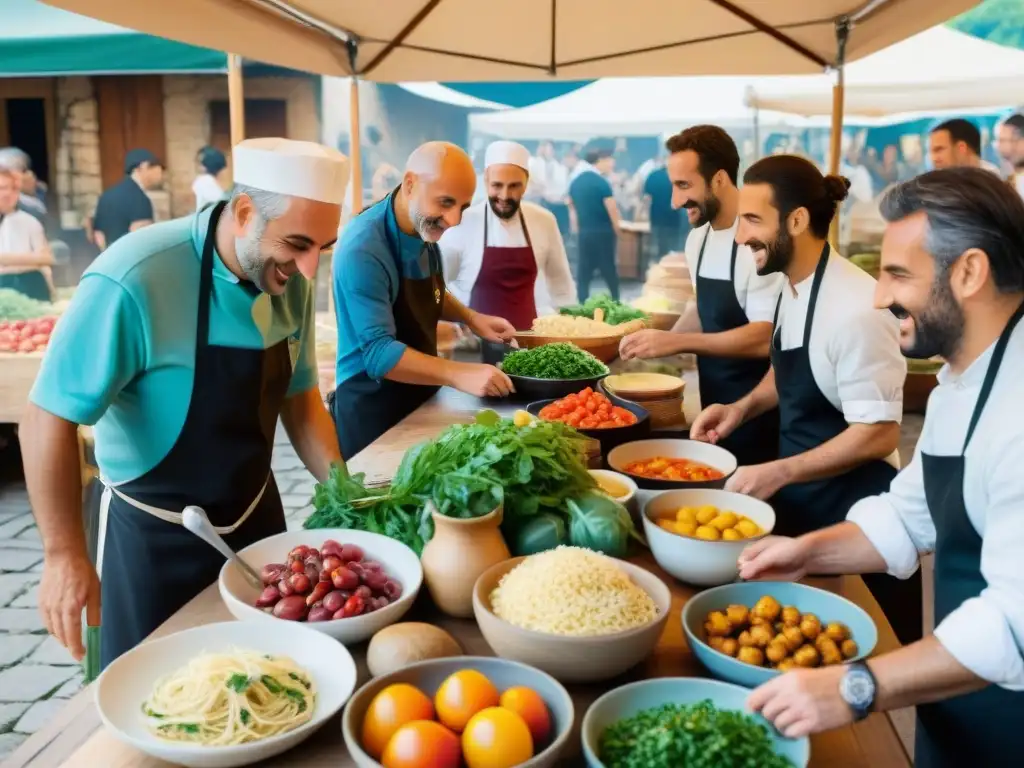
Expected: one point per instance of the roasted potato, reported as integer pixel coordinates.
(830, 653)
(716, 642)
(767, 608)
(786, 664)
(724, 520)
(790, 616)
(810, 626)
(707, 533)
(751, 655)
(794, 637)
(761, 635)
(731, 534)
(738, 615)
(718, 625)
(730, 647)
(807, 656)
(757, 621)
(849, 648)
(777, 650)
(837, 631)
(706, 514)
(745, 639)
(748, 528)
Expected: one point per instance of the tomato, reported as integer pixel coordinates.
(461, 696)
(496, 738)
(528, 704)
(422, 744)
(390, 709)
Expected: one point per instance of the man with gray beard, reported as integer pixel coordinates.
(183, 345)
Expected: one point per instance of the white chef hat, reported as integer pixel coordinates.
(507, 153)
(295, 168)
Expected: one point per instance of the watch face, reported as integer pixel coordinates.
(857, 688)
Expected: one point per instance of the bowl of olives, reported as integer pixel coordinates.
(749, 632)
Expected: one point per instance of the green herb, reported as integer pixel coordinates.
(15, 305)
(238, 682)
(692, 735)
(150, 713)
(245, 716)
(183, 727)
(615, 312)
(271, 684)
(554, 361)
(296, 678)
(297, 697)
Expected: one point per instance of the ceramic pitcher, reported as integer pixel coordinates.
(459, 552)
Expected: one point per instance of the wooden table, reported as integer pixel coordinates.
(75, 738)
(17, 374)
(631, 251)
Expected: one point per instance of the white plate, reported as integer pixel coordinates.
(128, 682)
(400, 563)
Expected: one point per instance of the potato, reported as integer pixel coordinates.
(724, 521)
(807, 656)
(849, 648)
(716, 642)
(787, 664)
(706, 514)
(668, 525)
(731, 534)
(738, 615)
(777, 650)
(708, 533)
(767, 608)
(402, 644)
(748, 528)
(761, 635)
(810, 626)
(794, 637)
(718, 625)
(837, 631)
(730, 647)
(745, 640)
(686, 529)
(686, 515)
(757, 621)
(830, 653)
(791, 616)
(751, 655)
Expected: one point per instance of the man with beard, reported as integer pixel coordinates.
(507, 257)
(183, 344)
(1010, 145)
(836, 371)
(952, 269)
(390, 294)
(730, 324)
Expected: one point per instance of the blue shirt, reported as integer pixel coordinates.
(122, 357)
(588, 192)
(659, 187)
(367, 273)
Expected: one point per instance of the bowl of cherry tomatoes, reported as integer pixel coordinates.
(605, 418)
(465, 711)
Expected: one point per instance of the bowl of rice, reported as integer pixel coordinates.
(578, 615)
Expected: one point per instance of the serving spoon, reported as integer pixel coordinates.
(196, 521)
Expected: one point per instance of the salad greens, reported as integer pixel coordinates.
(615, 312)
(15, 305)
(537, 472)
(560, 360)
(694, 735)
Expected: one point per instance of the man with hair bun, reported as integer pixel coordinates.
(836, 371)
(183, 345)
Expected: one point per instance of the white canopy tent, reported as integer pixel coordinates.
(437, 92)
(634, 107)
(934, 71)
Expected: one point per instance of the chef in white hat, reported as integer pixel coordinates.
(183, 345)
(494, 258)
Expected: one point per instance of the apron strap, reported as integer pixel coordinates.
(990, 374)
(526, 232)
(175, 517)
(700, 257)
(819, 274)
(700, 253)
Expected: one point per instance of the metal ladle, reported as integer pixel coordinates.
(196, 521)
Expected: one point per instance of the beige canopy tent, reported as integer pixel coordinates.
(453, 40)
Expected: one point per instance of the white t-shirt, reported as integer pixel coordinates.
(756, 294)
(207, 190)
(21, 233)
(1019, 181)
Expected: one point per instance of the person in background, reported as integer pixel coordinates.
(888, 170)
(208, 186)
(506, 257)
(126, 207)
(25, 257)
(551, 187)
(389, 295)
(597, 220)
(33, 187)
(1010, 146)
(183, 345)
(18, 163)
(669, 226)
(956, 143)
(952, 267)
(836, 373)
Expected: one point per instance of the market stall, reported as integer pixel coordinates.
(25, 327)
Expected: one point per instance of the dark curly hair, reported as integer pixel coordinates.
(715, 150)
(797, 183)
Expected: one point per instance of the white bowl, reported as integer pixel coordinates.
(399, 561)
(694, 450)
(696, 561)
(128, 682)
(624, 480)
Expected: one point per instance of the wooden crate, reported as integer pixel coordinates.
(17, 374)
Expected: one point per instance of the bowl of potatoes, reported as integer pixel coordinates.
(697, 534)
(749, 632)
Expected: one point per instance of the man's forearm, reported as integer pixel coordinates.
(53, 474)
(761, 399)
(455, 311)
(919, 674)
(855, 445)
(417, 368)
(841, 549)
(312, 432)
(750, 341)
(689, 320)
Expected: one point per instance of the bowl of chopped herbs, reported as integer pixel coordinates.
(684, 721)
(552, 371)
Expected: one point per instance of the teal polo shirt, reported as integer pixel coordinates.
(122, 356)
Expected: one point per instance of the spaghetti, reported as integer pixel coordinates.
(225, 699)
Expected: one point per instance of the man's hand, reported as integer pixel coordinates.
(716, 422)
(69, 584)
(762, 481)
(803, 701)
(491, 328)
(650, 343)
(775, 558)
(483, 381)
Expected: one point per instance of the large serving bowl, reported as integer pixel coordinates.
(427, 676)
(128, 682)
(827, 606)
(571, 659)
(530, 388)
(626, 701)
(612, 436)
(694, 450)
(604, 348)
(696, 561)
(400, 562)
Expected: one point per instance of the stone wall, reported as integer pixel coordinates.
(78, 180)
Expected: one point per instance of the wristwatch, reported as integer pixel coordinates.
(857, 688)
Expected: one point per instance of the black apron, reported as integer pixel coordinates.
(220, 462)
(980, 728)
(807, 420)
(727, 379)
(365, 408)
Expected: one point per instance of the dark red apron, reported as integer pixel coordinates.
(505, 285)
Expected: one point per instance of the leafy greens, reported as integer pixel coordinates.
(560, 360)
(615, 312)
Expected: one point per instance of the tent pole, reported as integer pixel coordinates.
(354, 132)
(836, 136)
(236, 98)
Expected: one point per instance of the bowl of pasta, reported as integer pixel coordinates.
(221, 695)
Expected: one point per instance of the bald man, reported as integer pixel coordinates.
(389, 294)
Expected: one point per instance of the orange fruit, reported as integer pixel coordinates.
(390, 709)
(462, 695)
(528, 704)
(496, 738)
(422, 744)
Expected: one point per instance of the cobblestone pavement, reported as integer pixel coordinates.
(37, 675)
